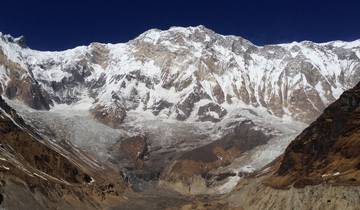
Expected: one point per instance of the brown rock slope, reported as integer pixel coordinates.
(35, 174)
(328, 150)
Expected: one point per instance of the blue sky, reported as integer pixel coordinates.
(57, 25)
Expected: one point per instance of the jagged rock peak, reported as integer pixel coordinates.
(21, 41)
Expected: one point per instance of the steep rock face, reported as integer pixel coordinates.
(211, 112)
(22, 86)
(173, 73)
(328, 150)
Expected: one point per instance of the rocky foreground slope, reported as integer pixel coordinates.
(36, 174)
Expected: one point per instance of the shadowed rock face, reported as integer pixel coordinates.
(22, 86)
(185, 107)
(211, 112)
(326, 151)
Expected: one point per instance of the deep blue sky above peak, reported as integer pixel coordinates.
(63, 24)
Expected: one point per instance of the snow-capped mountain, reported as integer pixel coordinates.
(185, 105)
(191, 74)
